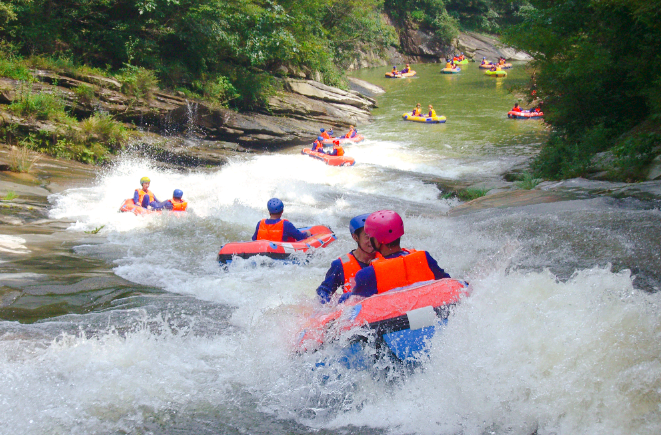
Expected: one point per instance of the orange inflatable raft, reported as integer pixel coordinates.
(130, 206)
(402, 319)
(330, 160)
(344, 140)
(320, 238)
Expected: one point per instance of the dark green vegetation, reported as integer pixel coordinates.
(597, 71)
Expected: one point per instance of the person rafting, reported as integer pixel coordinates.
(416, 110)
(432, 112)
(337, 149)
(352, 132)
(318, 145)
(516, 108)
(394, 71)
(406, 69)
(276, 229)
(325, 134)
(343, 269)
(485, 61)
(393, 267)
(143, 196)
(174, 204)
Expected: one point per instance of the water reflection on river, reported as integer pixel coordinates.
(555, 338)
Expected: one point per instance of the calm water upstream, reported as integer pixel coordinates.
(557, 337)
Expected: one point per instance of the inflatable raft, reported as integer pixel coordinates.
(345, 140)
(526, 114)
(400, 76)
(485, 65)
(330, 160)
(427, 119)
(402, 319)
(450, 70)
(138, 210)
(496, 73)
(461, 62)
(321, 236)
(505, 65)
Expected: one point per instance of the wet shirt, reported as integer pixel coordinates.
(288, 230)
(366, 278)
(334, 279)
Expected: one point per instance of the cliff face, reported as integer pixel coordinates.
(294, 114)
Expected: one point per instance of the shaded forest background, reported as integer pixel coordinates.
(595, 62)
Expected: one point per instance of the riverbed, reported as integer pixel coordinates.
(561, 334)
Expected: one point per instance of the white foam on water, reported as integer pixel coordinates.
(526, 351)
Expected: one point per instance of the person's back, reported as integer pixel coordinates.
(394, 267)
(276, 229)
(516, 108)
(324, 134)
(337, 149)
(317, 145)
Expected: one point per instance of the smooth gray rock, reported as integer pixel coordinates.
(476, 45)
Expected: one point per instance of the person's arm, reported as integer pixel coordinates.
(433, 265)
(168, 204)
(334, 280)
(157, 205)
(289, 230)
(136, 197)
(254, 236)
(365, 282)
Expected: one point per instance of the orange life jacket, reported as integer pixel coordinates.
(401, 271)
(339, 149)
(350, 267)
(325, 135)
(516, 109)
(316, 145)
(348, 135)
(272, 232)
(178, 204)
(141, 195)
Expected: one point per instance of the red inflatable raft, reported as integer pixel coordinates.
(524, 114)
(130, 206)
(344, 140)
(330, 160)
(403, 319)
(320, 238)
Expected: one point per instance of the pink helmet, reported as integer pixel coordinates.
(385, 226)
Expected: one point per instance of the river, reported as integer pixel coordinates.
(561, 335)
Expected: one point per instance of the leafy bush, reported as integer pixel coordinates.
(101, 127)
(472, 193)
(633, 155)
(84, 93)
(138, 82)
(14, 69)
(42, 106)
(527, 181)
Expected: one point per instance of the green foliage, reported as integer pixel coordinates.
(634, 153)
(472, 193)
(84, 93)
(527, 181)
(138, 82)
(591, 92)
(40, 105)
(102, 128)
(10, 195)
(219, 90)
(95, 230)
(14, 69)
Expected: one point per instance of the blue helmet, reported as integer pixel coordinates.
(319, 138)
(322, 130)
(275, 206)
(357, 223)
(178, 193)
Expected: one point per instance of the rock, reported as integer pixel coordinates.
(417, 42)
(511, 198)
(477, 46)
(654, 169)
(365, 88)
(319, 91)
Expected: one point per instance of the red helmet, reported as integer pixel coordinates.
(336, 142)
(385, 226)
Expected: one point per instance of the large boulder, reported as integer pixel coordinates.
(477, 46)
(422, 43)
